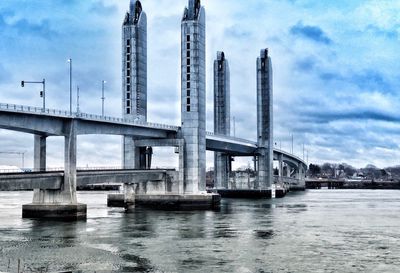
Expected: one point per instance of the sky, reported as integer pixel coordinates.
(336, 72)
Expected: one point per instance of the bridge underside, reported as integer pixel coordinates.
(233, 148)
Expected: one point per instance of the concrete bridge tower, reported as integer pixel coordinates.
(193, 95)
(134, 82)
(221, 117)
(264, 121)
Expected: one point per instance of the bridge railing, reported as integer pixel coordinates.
(61, 169)
(63, 113)
(33, 109)
(126, 121)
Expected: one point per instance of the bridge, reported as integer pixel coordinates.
(55, 192)
(51, 122)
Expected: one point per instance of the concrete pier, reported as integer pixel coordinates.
(178, 202)
(57, 203)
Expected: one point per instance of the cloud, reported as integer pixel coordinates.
(305, 65)
(5, 75)
(24, 27)
(390, 34)
(355, 116)
(101, 9)
(341, 99)
(313, 33)
(367, 80)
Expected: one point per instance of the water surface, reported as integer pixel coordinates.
(313, 231)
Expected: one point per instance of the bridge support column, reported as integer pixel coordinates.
(135, 157)
(288, 171)
(181, 176)
(39, 150)
(221, 170)
(280, 159)
(60, 203)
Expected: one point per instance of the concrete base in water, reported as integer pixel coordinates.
(180, 202)
(297, 188)
(118, 200)
(54, 211)
(250, 194)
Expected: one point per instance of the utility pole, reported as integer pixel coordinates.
(234, 126)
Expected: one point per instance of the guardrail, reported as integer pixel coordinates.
(67, 114)
(61, 169)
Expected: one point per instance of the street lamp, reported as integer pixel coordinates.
(70, 85)
(234, 126)
(102, 97)
(77, 100)
(42, 93)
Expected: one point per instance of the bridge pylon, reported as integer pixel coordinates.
(221, 118)
(264, 121)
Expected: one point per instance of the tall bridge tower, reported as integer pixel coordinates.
(193, 95)
(264, 121)
(134, 81)
(221, 117)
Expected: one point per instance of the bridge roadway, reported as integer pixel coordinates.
(52, 122)
(53, 180)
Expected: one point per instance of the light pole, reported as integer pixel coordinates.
(77, 99)
(42, 93)
(102, 97)
(234, 126)
(70, 85)
(292, 143)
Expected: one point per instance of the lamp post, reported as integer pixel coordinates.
(234, 126)
(102, 97)
(292, 144)
(42, 93)
(77, 100)
(70, 85)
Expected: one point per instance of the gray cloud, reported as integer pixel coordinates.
(5, 75)
(24, 27)
(313, 33)
(101, 9)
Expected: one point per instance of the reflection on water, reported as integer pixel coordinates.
(315, 231)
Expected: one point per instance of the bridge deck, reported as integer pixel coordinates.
(50, 122)
(53, 180)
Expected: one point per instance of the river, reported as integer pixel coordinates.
(312, 231)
